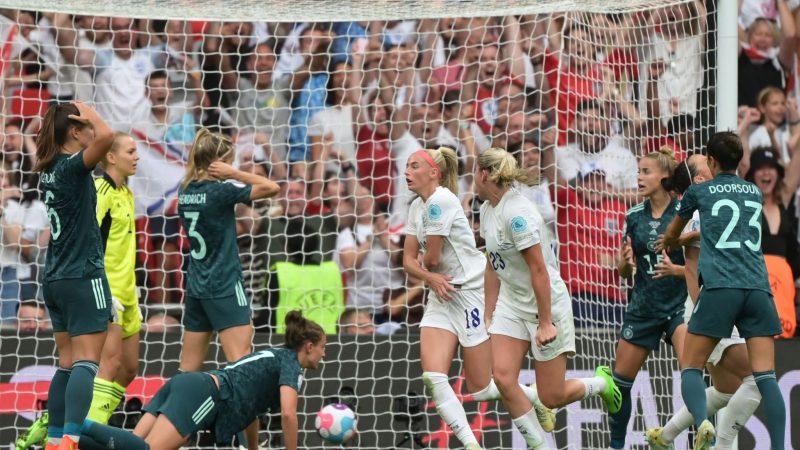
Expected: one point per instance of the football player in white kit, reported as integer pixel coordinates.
(527, 303)
(729, 366)
(453, 268)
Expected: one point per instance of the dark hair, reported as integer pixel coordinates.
(302, 243)
(587, 104)
(54, 133)
(159, 74)
(683, 176)
(726, 149)
(300, 330)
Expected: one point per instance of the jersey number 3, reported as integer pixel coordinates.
(755, 222)
(193, 217)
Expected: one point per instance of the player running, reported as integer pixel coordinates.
(223, 401)
(728, 365)
(656, 305)
(527, 303)
(736, 288)
(72, 141)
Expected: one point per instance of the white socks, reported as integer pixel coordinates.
(683, 419)
(491, 392)
(592, 386)
(528, 426)
(449, 408)
(742, 405)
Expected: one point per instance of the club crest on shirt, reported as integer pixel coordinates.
(519, 224)
(434, 212)
(651, 245)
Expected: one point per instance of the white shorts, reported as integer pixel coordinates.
(723, 344)
(506, 323)
(462, 316)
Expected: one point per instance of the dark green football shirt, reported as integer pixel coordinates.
(730, 223)
(653, 297)
(75, 248)
(251, 386)
(206, 209)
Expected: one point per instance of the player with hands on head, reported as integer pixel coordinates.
(72, 141)
(224, 401)
(736, 290)
(527, 303)
(216, 299)
(656, 305)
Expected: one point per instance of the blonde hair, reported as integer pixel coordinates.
(665, 160)
(206, 148)
(503, 168)
(766, 93)
(773, 28)
(118, 136)
(447, 161)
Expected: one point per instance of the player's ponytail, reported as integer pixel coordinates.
(206, 148)
(683, 176)
(447, 161)
(503, 168)
(300, 330)
(54, 133)
(665, 160)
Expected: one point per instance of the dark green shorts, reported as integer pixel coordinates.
(647, 332)
(216, 314)
(79, 305)
(189, 400)
(751, 310)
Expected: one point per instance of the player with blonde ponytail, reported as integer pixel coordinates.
(527, 303)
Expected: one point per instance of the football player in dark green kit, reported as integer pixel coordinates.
(736, 288)
(72, 140)
(215, 294)
(223, 401)
(656, 306)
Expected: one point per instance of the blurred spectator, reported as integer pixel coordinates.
(355, 322)
(373, 153)
(542, 166)
(171, 49)
(304, 281)
(589, 231)
(368, 259)
(779, 228)
(29, 214)
(672, 70)
(18, 151)
(169, 122)
(162, 323)
(596, 143)
(766, 54)
(10, 256)
(780, 123)
(32, 316)
(120, 74)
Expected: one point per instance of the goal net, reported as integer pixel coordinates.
(330, 98)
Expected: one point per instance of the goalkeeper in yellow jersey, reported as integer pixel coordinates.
(119, 361)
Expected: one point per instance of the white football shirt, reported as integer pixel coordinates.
(510, 227)
(442, 215)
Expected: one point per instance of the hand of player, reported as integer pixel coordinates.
(545, 334)
(664, 243)
(627, 252)
(689, 238)
(116, 311)
(440, 284)
(666, 268)
(87, 114)
(221, 171)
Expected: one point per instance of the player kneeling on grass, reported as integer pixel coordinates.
(527, 303)
(223, 401)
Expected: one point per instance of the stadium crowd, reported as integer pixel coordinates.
(332, 111)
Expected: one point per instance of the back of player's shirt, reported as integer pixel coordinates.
(251, 386)
(443, 216)
(509, 228)
(730, 219)
(75, 248)
(206, 209)
(653, 297)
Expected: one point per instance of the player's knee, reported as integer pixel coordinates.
(552, 399)
(504, 379)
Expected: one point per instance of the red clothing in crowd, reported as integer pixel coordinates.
(567, 90)
(485, 110)
(589, 238)
(374, 160)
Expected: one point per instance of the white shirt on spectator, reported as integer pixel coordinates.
(339, 122)
(154, 129)
(33, 219)
(759, 137)
(750, 10)
(290, 58)
(68, 80)
(367, 283)
(617, 162)
(539, 195)
(264, 111)
(443, 216)
(120, 88)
